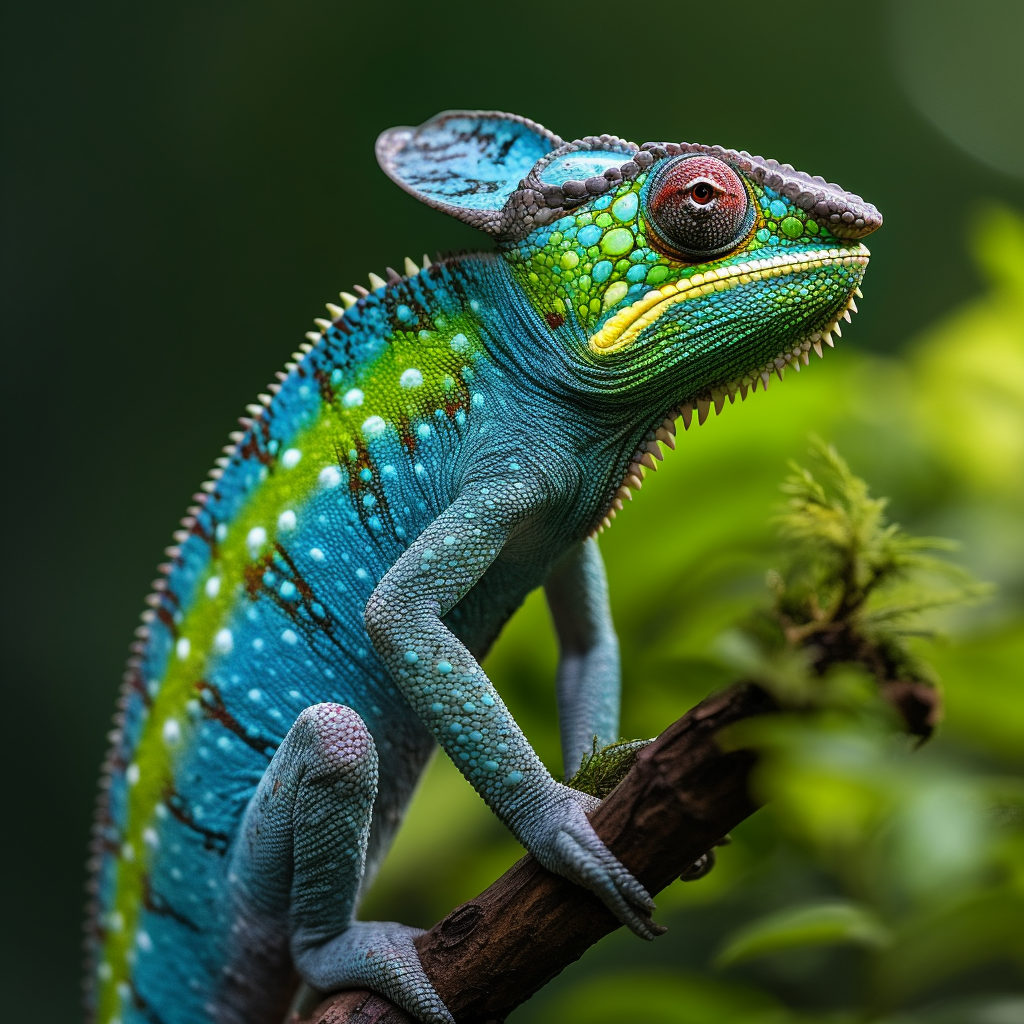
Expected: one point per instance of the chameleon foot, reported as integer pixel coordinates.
(379, 955)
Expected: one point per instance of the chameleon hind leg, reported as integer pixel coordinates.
(298, 866)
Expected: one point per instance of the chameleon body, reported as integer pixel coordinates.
(449, 441)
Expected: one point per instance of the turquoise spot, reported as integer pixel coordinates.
(603, 203)
(435, 707)
(404, 313)
(423, 430)
(763, 234)
(369, 500)
(502, 748)
(778, 208)
(287, 590)
(459, 343)
(469, 707)
(444, 667)
(411, 657)
(375, 524)
(636, 273)
(590, 235)
(336, 376)
(487, 700)
(476, 736)
(366, 475)
(455, 728)
(625, 207)
(491, 766)
(513, 778)
(449, 539)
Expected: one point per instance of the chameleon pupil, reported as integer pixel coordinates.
(703, 192)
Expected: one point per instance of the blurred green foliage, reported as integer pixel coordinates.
(881, 883)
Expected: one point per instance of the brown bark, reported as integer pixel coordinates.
(486, 957)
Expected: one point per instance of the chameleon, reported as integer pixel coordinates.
(448, 440)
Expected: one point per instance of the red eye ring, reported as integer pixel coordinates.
(698, 206)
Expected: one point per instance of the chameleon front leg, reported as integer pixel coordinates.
(453, 696)
(295, 877)
(589, 679)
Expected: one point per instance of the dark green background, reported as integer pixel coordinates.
(185, 186)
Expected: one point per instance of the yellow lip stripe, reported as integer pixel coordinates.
(622, 329)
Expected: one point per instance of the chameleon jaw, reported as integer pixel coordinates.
(622, 329)
(648, 454)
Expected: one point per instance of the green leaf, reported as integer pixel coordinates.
(817, 924)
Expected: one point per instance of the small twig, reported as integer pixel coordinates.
(489, 955)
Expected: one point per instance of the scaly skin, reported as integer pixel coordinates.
(447, 443)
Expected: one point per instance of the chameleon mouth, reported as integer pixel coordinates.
(647, 456)
(624, 327)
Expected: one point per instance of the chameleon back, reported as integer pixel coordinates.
(260, 616)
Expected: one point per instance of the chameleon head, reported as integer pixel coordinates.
(672, 273)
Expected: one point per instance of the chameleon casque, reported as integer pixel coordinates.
(447, 442)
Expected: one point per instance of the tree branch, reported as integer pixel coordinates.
(489, 955)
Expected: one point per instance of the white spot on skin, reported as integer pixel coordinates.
(221, 532)
(150, 838)
(330, 476)
(183, 648)
(224, 642)
(128, 852)
(289, 637)
(105, 971)
(224, 743)
(412, 378)
(286, 521)
(316, 554)
(115, 921)
(352, 398)
(257, 644)
(256, 538)
(144, 941)
(132, 773)
(291, 457)
(374, 426)
(212, 586)
(171, 732)
(459, 343)
(255, 695)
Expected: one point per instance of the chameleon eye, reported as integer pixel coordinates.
(698, 207)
